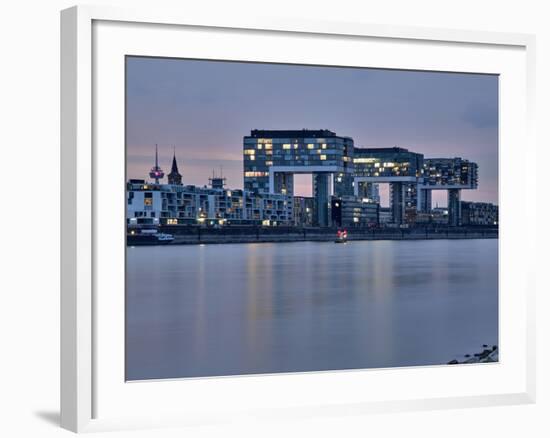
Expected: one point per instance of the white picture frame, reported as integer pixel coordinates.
(85, 377)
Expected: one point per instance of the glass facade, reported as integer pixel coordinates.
(304, 151)
(450, 172)
(387, 162)
(180, 204)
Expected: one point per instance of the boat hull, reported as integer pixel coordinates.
(139, 240)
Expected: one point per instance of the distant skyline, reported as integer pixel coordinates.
(204, 108)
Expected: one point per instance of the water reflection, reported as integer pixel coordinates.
(264, 308)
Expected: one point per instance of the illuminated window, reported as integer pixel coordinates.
(269, 145)
(324, 146)
(249, 151)
(148, 201)
(286, 146)
(365, 160)
(310, 146)
(323, 157)
(259, 146)
(295, 145)
(269, 163)
(252, 157)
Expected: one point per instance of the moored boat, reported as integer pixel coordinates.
(341, 236)
(148, 237)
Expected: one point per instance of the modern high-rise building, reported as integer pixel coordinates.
(398, 167)
(453, 175)
(273, 157)
(412, 178)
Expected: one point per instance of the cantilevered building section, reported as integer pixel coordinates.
(451, 174)
(399, 167)
(412, 178)
(272, 157)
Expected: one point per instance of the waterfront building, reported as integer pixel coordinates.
(412, 178)
(303, 211)
(340, 172)
(273, 157)
(399, 168)
(217, 182)
(437, 216)
(384, 215)
(173, 204)
(453, 175)
(479, 213)
(350, 211)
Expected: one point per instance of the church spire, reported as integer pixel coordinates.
(174, 177)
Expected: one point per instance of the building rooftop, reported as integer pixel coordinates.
(381, 150)
(298, 133)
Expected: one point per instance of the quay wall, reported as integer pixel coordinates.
(197, 235)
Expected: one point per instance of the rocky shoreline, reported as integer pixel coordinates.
(489, 354)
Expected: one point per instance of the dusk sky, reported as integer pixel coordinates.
(204, 108)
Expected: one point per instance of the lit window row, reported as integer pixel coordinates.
(255, 174)
(265, 140)
(366, 160)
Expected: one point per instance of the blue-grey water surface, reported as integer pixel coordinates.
(227, 309)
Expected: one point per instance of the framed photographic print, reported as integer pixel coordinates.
(265, 216)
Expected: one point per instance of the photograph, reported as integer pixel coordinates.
(291, 218)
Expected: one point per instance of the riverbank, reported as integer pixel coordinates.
(198, 235)
(489, 354)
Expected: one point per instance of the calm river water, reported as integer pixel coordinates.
(228, 309)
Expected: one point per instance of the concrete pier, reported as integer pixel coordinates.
(198, 235)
